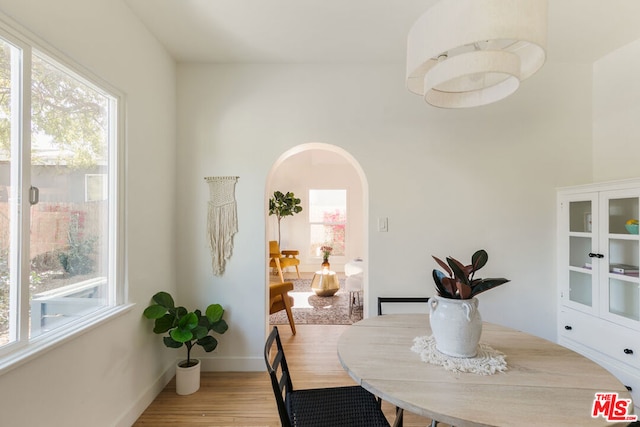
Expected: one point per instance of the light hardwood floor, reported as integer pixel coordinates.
(246, 398)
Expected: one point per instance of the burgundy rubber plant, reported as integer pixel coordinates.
(461, 282)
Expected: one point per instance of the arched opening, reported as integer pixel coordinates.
(312, 167)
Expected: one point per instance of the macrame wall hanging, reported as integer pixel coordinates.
(222, 219)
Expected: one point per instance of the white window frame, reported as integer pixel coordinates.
(24, 349)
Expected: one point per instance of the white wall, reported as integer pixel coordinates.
(616, 108)
(109, 374)
(449, 181)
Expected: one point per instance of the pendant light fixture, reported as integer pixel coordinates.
(467, 53)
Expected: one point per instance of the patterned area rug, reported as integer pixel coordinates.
(310, 309)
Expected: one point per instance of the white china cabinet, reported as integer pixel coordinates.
(599, 288)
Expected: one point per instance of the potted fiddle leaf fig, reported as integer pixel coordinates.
(186, 328)
(283, 204)
(455, 320)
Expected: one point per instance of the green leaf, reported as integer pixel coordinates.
(181, 335)
(171, 343)
(486, 284)
(163, 324)
(200, 332)
(208, 343)
(188, 321)
(214, 313)
(283, 205)
(164, 299)
(220, 326)
(479, 259)
(181, 312)
(154, 311)
(204, 322)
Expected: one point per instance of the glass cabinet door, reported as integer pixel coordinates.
(620, 294)
(580, 289)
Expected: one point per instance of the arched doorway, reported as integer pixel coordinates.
(314, 166)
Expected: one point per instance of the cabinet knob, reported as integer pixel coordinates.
(592, 255)
(629, 388)
(628, 351)
(568, 328)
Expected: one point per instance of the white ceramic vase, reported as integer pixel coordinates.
(188, 378)
(456, 325)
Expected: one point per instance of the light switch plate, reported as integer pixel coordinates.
(383, 224)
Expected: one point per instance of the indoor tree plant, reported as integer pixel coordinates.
(454, 316)
(283, 204)
(186, 328)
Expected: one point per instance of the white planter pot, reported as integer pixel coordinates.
(187, 379)
(456, 325)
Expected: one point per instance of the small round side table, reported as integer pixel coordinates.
(325, 283)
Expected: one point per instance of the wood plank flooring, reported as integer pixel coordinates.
(246, 398)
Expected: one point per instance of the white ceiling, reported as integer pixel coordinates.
(354, 31)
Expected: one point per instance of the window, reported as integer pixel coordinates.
(95, 187)
(327, 221)
(59, 206)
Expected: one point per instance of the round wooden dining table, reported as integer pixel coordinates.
(544, 384)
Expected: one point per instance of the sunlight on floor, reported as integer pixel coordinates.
(301, 300)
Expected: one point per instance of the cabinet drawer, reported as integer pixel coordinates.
(613, 340)
(629, 379)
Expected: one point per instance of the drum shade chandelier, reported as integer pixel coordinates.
(467, 53)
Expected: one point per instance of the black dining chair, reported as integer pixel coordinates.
(411, 300)
(350, 406)
(382, 300)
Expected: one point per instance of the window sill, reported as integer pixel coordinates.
(16, 354)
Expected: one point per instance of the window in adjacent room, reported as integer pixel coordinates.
(327, 221)
(59, 209)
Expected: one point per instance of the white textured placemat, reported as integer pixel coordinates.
(487, 362)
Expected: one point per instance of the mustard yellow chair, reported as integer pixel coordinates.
(282, 259)
(279, 299)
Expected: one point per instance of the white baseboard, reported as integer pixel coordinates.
(138, 407)
(209, 364)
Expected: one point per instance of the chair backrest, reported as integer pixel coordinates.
(274, 248)
(382, 300)
(279, 373)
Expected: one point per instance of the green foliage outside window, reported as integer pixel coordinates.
(77, 258)
(72, 115)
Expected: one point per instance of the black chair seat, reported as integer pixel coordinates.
(351, 406)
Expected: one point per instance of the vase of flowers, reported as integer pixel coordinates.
(326, 251)
(455, 320)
